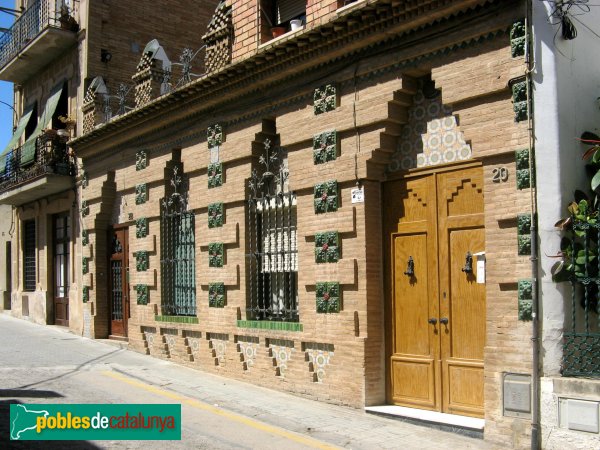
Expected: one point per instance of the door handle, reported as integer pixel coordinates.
(432, 321)
(444, 320)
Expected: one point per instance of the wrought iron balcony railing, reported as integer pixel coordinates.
(581, 346)
(40, 15)
(51, 157)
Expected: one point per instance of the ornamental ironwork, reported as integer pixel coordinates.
(272, 240)
(178, 269)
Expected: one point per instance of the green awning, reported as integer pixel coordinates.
(16, 136)
(28, 149)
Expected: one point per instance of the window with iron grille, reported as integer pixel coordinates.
(178, 267)
(273, 250)
(29, 270)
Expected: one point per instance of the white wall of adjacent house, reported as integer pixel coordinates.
(7, 225)
(566, 81)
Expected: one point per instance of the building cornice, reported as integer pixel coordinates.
(370, 25)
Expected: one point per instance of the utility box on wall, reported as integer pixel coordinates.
(579, 415)
(517, 395)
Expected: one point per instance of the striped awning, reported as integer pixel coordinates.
(14, 140)
(28, 150)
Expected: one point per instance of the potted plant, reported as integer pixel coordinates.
(278, 31)
(69, 125)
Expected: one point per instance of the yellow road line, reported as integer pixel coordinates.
(220, 412)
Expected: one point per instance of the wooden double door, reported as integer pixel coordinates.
(435, 226)
(119, 282)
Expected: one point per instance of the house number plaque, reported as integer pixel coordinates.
(499, 174)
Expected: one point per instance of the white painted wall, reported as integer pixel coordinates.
(566, 85)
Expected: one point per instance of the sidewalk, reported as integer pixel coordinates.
(336, 425)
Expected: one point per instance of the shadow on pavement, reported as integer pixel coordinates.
(27, 393)
(5, 441)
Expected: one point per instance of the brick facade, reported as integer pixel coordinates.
(340, 74)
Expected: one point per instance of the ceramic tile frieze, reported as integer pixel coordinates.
(216, 215)
(517, 39)
(141, 227)
(141, 193)
(214, 135)
(216, 295)
(525, 297)
(431, 136)
(141, 160)
(328, 297)
(327, 247)
(85, 209)
(215, 254)
(85, 239)
(141, 261)
(524, 234)
(325, 99)
(519, 95)
(142, 294)
(85, 294)
(524, 177)
(318, 357)
(215, 175)
(326, 197)
(325, 147)
(85, 267)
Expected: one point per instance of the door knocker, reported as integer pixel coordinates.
(410, 269)
(468, 263)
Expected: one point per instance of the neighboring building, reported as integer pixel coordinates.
(566, 90)
(52, 53)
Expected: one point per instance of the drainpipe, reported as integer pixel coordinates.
(535, 322)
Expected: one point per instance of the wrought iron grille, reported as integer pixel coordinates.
(116, 268)
(62, 238)
(178, 269)
(51, 157)
(272, 241)
(29, 255)
(581, 347)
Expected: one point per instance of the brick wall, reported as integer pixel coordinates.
(372, 105)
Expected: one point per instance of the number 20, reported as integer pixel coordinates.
(499, 174)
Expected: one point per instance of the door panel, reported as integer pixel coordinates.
(62, 246)
(438, 313)
(118, 283)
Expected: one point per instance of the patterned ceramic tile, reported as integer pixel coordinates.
(431, 136)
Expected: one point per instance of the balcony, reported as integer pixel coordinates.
(51, 171)
(38, 36)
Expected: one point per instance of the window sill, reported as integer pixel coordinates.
(176, 319)
(354, 5)
(269, 325)
(283, 36)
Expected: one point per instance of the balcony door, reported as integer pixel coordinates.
(62, 245)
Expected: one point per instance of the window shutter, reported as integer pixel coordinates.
(288, 9)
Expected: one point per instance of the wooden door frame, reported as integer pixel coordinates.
(126, 302)
(387, 254)
(52, 283)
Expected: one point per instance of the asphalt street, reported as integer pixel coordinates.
(48, 364)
